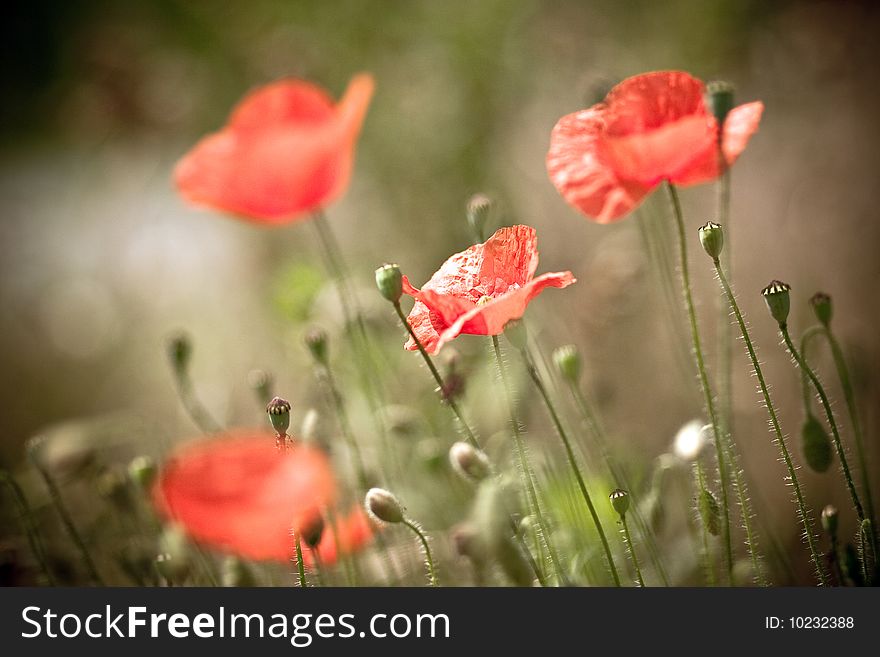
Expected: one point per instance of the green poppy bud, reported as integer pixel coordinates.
(822, 308)
(712, 239)
(383, 505)
(829, 520)
(816, 445)
(778, 300)
(260, 382)
(279, 413)
(468, 461)
(316, 342)
(619, 501)
(479, 208)
(568, 361)
(719, 99)
(710, 513)
(142, 471)
(312, 532)
(179, 351)
(389, 280)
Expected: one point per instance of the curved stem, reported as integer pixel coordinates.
(572, 460)
(806, 340)
(429, 560)
(194, 407)
(708, 399)
(525, 467)
(774, 423)
(627, 539)
(439, 379)
(30, 526)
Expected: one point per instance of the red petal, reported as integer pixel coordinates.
(240, 494)
(353, 532)
(642, 103)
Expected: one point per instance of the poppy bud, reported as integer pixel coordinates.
(776, 296)
(822, 308)
(235, 573)
(312, 531)
(829, 519)
(466, 542)
(316, 342)
(390, 282)
(260, 382)
(142, 471)
(383, 505)
(816, 445)
(478, 209)
(468, 461)
(712, 239)
(179, 351)
(279, 413)
(568, 362)
(710, 514)
(516, 333)
(719, 99)
(619, 501)
(454, 382)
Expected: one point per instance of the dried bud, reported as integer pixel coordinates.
(389, 280)
(568, 361)
(777, 298)
(719, 99)
(619, 501)
(260, 382)
(383, 505)
(816, 445)
(712, 239)
(709, 511)
(312, 532)
(179, 351)
(316, 341)
(236, 573)
(829, 520)
(468, 461)
(279, 413)
(822, 308)
(479, 208)
(142, 471)
(516, 333)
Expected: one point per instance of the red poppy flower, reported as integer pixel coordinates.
(286, 150)
(242, 495)
(652, 127)
(479, 290)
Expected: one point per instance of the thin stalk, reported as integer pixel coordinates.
(300, 566)
(725, 334)
(572, 459)
(68, 523)
(774, 423)
(708, 398)
(806, 339)
(525, 468)
(627, 540)
(429, 560)
(30, 526)
(472, 439)
(345, 427)
(531, 559)
(193, 406)
(838, 444)
(619, 475)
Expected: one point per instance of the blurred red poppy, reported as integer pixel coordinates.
(240, 494)
(652, 127)
(287, 150)
(479, 290)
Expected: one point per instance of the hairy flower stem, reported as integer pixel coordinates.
(619, 475)
(471, 437)
(193, 406)
(725, 334)
(30, 525)
(851, 406)
(829, 414)
(708, 398)
(67, 521)
(631, 548)
(774, 424)
(300, 566)
(525, 468)
(429, 560)
(572, 459)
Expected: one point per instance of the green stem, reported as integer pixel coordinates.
(345, 427)
(725, 334)
(572, 460)
(627, 539)
(429, 560)
(30, 526)
(709, 567)
(525, 468)
(708, 399)
(439, 379)
(300, 566)
(67, 521)
(806, 340)
(774, 423)
(196, 410)
(619, 475)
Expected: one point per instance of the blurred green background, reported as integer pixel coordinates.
(100, 260)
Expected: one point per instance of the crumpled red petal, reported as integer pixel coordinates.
(238, 493)
(286, 151)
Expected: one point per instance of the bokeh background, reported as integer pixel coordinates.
(100, 260)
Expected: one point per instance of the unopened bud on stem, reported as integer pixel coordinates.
(383, 505)
(469, 461)
(778, 300)
(279, 414)
(389, 280)
(822, 308)
(619, 501)
(712, 239)
(568, 362)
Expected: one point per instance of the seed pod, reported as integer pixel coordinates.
(260, 382)
(712, 239)
(816, 445)
(279, 414)
(383, 505)
(710, 513)
(316, 342)
(719, 99)
(619, 501)
(479, 208)
(778, 300)
(822, 308)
